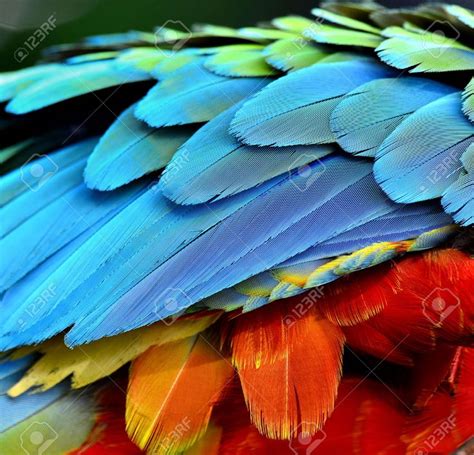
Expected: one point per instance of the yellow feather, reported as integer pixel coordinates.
(101, 358)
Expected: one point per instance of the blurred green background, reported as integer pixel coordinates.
(78, 18)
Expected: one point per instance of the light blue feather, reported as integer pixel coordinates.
(296, 109)
(14, 82)
(66, 216)
(367, 115)
(213, 165)
(193, 95)
(467, 158)
(458, 200)
(21, 318)
(130, 149)
(421, 158)
(71, 81)
(58, 173)
(14, 410)
(23, 180)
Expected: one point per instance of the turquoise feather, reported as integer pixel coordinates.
(367, 115)
(296, 109)
(421, 158)
(193, 95)
(70, 81)
(458, 200)
(130, 149)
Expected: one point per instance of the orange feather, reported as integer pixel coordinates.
(172, 391)
(289, 366)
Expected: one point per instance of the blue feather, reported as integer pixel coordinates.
(71, 81)
(421, 158)
(213, 165)
(67, 215)
(458, 200)
(30, 178)
(110, 262)
(40, 182)
(193, 95)
(11, 371)
(296, 213)
(120, 39)
(296, 109)
(367, 115)
(130, 149)
(404, 222)
(9, 367)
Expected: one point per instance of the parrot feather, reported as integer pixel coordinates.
(424, 51)
(458, 200)
(69, 82)
(208, 166)
(306, 99)
(36, 422)
(130, 149)
(193, 95)
(421, 158)
(289, 368)
(174, 385)
(368, 114)
(89, 363)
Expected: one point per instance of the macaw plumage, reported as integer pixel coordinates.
(254, 240)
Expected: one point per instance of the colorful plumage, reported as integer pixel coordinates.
(260, 241)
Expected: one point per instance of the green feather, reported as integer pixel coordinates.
(424, 51)
(463, 15)
(57, 429)
(329, 34)
(344, 21)
(240, 64)
(264, 34)
(140, 58)
(291, 54)
(294, 24)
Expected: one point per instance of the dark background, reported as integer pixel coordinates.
(79, 18)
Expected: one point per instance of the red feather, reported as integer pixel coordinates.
(289, 366)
